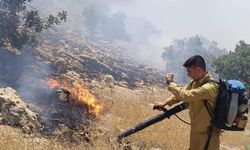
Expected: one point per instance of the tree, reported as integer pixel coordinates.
(235, 65)
(176, 54)
(19, 25)
(113, 28)
(91, 17)
(100, 23)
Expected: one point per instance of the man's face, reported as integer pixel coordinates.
(193, 72)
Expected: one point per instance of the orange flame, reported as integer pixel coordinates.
(53, 83)
(79, 93)
(82, 95)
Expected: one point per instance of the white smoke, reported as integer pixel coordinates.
(24, 72)
(144, 37)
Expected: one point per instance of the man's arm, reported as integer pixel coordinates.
(207, 91)
(170, 100)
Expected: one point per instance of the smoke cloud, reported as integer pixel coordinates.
(23, 72)
(181, 49)
(101, 20)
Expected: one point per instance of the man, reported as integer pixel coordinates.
(196, 93)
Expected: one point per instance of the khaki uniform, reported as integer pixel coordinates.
(194, 93)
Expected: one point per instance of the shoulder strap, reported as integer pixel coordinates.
(209, 108)
(211, 81)
(210, 130)
(211, 113)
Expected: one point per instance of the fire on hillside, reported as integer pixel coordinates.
(78, 92)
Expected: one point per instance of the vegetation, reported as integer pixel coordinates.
(235, 65)
(181, 49)
(19, 25)
(100, 24)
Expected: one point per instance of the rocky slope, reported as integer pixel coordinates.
(91, 59)
(15, 112)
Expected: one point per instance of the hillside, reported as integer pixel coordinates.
(125, 90)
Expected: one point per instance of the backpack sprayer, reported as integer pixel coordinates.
(232, 106)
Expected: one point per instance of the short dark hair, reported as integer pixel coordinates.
(195, 61)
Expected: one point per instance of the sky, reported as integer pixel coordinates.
(225, 21)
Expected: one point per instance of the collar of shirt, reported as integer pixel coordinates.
(202, 80)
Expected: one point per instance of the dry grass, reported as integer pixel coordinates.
(128, 107)
(124, 108)
(13, 139)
